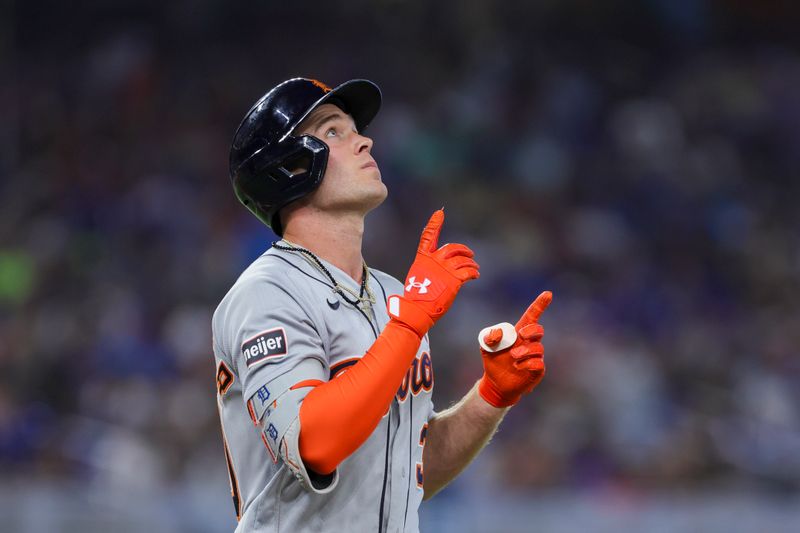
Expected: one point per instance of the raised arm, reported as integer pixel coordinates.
(513, 360)
(336, 417)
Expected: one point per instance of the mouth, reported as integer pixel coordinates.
(369, 164)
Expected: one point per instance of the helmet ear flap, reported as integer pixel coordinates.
(295, 166)
(303, 159)
(315, 157)
(280, 174)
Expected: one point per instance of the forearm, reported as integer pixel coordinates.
(338, 416)
(455, 437)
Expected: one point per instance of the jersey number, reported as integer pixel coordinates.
(423, 434)
(224, 382)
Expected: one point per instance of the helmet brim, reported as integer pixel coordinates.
(361, 100)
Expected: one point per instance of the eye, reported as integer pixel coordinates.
(331, 132)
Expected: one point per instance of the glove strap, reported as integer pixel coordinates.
(409, 313)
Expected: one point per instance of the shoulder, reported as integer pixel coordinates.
(264, 282)
(267, 273)
(275, 288)
(275, 280)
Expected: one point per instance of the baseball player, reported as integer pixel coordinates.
(324, 371)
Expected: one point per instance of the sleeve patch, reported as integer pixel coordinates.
(224, 378)
(263, 394)
(270, 343)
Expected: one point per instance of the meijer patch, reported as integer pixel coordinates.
(269, 343)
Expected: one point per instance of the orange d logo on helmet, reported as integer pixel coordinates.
(321, 85)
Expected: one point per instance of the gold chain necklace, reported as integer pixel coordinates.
(312, 259)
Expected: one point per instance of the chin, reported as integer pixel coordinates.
(374, 172)
(373, 195)
(380, 194)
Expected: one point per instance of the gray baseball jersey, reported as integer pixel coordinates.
(280, 330)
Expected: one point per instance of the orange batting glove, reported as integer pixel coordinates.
(434, 279)
(513, 356)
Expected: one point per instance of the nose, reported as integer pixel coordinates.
(363, 144)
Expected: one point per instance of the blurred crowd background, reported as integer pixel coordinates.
(639, 159)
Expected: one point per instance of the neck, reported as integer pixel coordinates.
(334, 238)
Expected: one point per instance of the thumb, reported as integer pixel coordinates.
(494, 337)
(429, 241)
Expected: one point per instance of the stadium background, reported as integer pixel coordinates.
(639, 159)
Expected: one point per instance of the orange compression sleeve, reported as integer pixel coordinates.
(338, 416)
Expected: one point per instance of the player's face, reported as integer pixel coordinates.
(352, 179)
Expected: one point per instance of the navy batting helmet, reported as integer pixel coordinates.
(269, 165)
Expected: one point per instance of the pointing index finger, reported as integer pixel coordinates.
(536, 309)
(429, 241)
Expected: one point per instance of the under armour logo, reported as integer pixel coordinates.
(421, 286)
